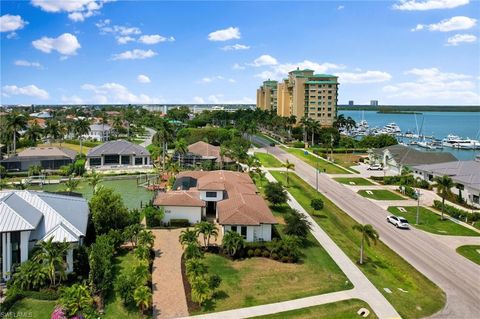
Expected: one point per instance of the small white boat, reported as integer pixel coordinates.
(457, 142)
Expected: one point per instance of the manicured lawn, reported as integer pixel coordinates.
(268, 160)
(32, 308)
(346, 309)
(380, 194)
(431, 222)
(471, 252)
(114, 308)
(314, 161)
(357, 181)
(384, 268)
(73, 147)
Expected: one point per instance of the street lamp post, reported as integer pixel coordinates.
(418, 205)
(316, 174)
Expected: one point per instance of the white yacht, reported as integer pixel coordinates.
(455, 141)
(392, 127)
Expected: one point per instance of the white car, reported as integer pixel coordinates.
(375, 167)
(398, 221)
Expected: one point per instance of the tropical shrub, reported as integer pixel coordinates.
(296, 224)
(257, 252)
(179, 222)
(232, 243)
(275, 193)
(77, 301)
(456, 212)
(143, 298)
(30, 275)
(316, 204)
(153, 216)
(108, 211)
(101, 263)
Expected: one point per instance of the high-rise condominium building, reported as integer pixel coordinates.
(304, 93)
(373, 103)
(267, 96)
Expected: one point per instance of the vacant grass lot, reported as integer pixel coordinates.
(471, 252)
(431, 222)
(346, 309)
(73, 147)
(380, 194)
(384, 268)
(268, 160)
(314, 161)
(357, 181)
(347, 160)
(31, 308)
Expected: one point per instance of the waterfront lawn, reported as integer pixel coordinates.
(268, 160)
(323, 165)
(431, 222)
(255, 281)
(346, 309)
(358, 181)
(32, 308)
(114, 307)
(471, 252)
(380, 194)
(383, 267)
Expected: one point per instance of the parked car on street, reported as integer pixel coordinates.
(398, 221)
(375, 167)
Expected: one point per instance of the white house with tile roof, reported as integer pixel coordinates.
(28, 217)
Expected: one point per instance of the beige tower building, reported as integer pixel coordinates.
(267, 96)
(304, 93)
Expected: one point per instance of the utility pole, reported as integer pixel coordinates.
(316, 174)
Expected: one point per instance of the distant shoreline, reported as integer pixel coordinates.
(402, 109)
(398, 112)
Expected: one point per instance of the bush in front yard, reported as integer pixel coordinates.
(316, 203)
(266, 254)
(179, 223)
(258, 252)
(250, 253)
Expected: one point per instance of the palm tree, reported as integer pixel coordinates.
(94, 180)
(33, 133)
(16, 122)
(232, 242)
(368, 233)
(313, 126)
(444, 185)
(143, 298)
(162, 137)
(201, 291)
(71, 184)
(195, 268)
(252, 162)
(52, 130)
(81, 128)
(76, 300)
(224, 151)
(188, 236)
(303, 123)
(51, 255)
(193, 251)
(288, 166)
(146, 237)
(208, 230)
(181, 148)
(142, 252)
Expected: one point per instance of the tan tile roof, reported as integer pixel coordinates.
(179, 198)
(207, 150)
(48, 151)
(242, 205)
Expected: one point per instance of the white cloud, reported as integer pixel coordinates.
(263, 60)
(116, 93)
(461, 38)
(446, 25)
(78, 10)
(154, 39)
(237, 66)
(29, 90)
(28, 64)
(74, 99)
(281, 70)
(225, 34)
(125, 39)
(415, 5)
(219, 99)
(340, 7)
(363, 77)
(431, 84)
(66, 44)
(10, 23)
(134, 55)
(212, 78)
(232, 80)
(198, 100)
(142, 78)
(235, 47)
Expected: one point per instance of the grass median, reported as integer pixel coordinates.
(431, 222)
(354, 181)
(412, 294)
(321, 164)
(380, 194)
(346, 309)
(471, 252)
(268, 160)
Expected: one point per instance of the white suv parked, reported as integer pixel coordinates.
(398, 221)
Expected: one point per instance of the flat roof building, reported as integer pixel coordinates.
(49, 158)
(118, 154)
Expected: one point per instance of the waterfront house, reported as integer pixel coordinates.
(118, 154)
(465, 174)
(229, 198)
(99, 132)
(48, 157)
(394, 158)
(28, 217)
(200, 152)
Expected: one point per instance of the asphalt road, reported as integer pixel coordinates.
(457, 276)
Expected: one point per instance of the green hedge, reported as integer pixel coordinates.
(42, 294)
(84, 143)
(456, 212)
(179, 222)
(321, 150)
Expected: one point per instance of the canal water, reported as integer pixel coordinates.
(437, 124)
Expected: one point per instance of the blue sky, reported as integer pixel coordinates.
(92, 51)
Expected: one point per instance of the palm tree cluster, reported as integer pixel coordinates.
(203, 284)
(344, 123)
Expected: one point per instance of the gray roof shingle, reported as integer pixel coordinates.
(118, 147)
(405, 155)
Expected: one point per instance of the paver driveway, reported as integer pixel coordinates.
(169, 299)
